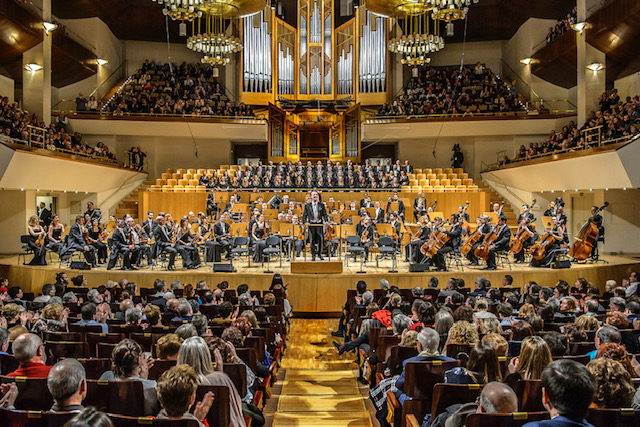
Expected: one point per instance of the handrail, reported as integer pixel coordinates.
(532, 92)
(69, 113)
(520, 201)
(435, 116)
(119, 68)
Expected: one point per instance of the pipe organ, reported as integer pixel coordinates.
(257, 52)
(313, 58)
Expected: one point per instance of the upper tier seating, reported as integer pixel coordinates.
(185, 89)
(447, 90)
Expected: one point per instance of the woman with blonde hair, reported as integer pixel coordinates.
(195, 353)
(535, 355)
(490, 325)
(54, 319)
(37, 242)
(526, 310)
(588, 322)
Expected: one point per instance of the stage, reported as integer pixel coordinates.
(321, 294)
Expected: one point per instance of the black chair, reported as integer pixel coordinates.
(94, 339)
(95, 367)
(273, 247)
(20, 418)
(515, 419)
(354, 248)
(26, 250)
(117, 397)
(239, 247)
(386, 248)
(57, 350)
(33, 393)
(626, 417)
(8, 364)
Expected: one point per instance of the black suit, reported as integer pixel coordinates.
(317, 216)
(221, 231)
(163, 244)
(501, 244)
(471, 256)
(451, 245)
(76, 242)
(120, 245)
(45, 217)
(378, 216)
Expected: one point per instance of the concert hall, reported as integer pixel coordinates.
(376, 213)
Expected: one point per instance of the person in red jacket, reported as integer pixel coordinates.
(29, 352)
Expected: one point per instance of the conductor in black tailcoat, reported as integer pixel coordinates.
(314, 216)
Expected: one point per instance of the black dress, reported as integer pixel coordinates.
(58, 247)
(259, 243)
(39, 252)
(101, 248)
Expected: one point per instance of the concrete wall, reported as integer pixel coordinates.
(136, 52)
(7, 87)
(489, 53)
(628, 86)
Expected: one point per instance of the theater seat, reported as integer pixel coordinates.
(625, 417)
(93, 339)
(117, 397)
(122, 421)
(159, 366)
(33, 393)
(95, 367)
(104, 350)
(20, 418)
(529, 394)
(8, 364)
(57, 350)
(445, 395)
(515, 419)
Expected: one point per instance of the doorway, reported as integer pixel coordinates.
(49, 201)
(580, 211)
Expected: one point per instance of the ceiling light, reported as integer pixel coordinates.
(579, 26)
(182, 29)
(33, 67)
(595, 66)
(101, 61)
(526, 61)
(49, 26)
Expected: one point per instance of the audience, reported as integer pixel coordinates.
(29, 353)
(67, 385)
(183, 90)
(562, 26)
(450, 91)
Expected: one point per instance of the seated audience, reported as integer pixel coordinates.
(29, 352)
(177, 393)
(67, 385)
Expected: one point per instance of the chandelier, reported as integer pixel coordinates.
(449, 10)
(212, 23)
(421, 34)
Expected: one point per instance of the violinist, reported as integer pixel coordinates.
(451, 244)
(77, 242)
(484, 228)
(186, 244)
(56, 241)
(419, 206)
(397, 227)
(259, 231)
(530, 239)
(165, 242)
(556, 236)
(365, 231)
(93, 239)
(37, 235)
(366, 201)
(149, 224)
(222, 234)
(294, 244)
(378, 217)
(122, 244)
(141, 241)
(501, 243)
(420, 238)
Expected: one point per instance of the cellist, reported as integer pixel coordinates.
(454, 240)
(502, 242)
(484, 228)
(597, 220)
(533, 236)
(420, 238)
(557, 234)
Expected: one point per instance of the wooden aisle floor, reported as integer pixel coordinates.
(319, 387)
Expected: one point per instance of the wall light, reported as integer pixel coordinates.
(101, 61)
(49, 26)
(526, 61)
(579, 27)
(595, 66)
(33, 67)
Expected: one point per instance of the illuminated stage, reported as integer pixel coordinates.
(322, 293)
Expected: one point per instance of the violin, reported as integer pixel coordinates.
(583, 246)
(40, 240)
(365, 236)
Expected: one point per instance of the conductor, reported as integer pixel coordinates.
(314, 217)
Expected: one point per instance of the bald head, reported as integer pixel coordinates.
(27, 348)
(126, 304)
(497, 398)
(172, 304)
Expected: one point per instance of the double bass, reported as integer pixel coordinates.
(583, 246)
(466, 228)
(517, 243)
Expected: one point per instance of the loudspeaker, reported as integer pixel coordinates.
(79, 265)
(418, 268)
(565, 263)
(223, 268)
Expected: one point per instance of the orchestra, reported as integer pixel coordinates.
(316, 225)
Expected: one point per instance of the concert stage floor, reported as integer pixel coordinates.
(322, 293)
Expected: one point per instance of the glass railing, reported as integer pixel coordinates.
(259, 117)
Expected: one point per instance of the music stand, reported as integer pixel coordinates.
(493, 217)
(547, 221)
(434, 215)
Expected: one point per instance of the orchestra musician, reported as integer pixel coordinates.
(55, 232)
(93, 239)
(186, 244)
(419, 239)
(77, 242)
(525, 214)
(222, 235)
(141, 241)
(452, 244)
(259, 232)
(484, 227)
(314, 216)
(502, 242)
(496, 207)
(165, 242)
(293, 245)
(365, 202)
(122, 243)
(419, 206)
(397, 226)
(460, 211)
(365, 231)
(525, 225)
(44, 215)
(401, 207)
(557, 233)
(378, 215)
(149, 224)
(92, 212)
(37, 234)
(597, 220)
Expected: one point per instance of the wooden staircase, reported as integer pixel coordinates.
(129, 205)
(508, 211)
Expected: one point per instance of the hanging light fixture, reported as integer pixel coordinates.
(421, 34)
(449, 10)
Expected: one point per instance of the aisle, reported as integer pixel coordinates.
(319, 386)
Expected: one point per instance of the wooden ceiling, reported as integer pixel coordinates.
(614, 31)
(21, 30)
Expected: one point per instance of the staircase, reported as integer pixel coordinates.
(512, 217)
(129, 205)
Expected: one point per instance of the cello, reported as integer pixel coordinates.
(466, 228)
(583, 246)
(436, 241)
(482, 251)
(539, 249)
(517, 243)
